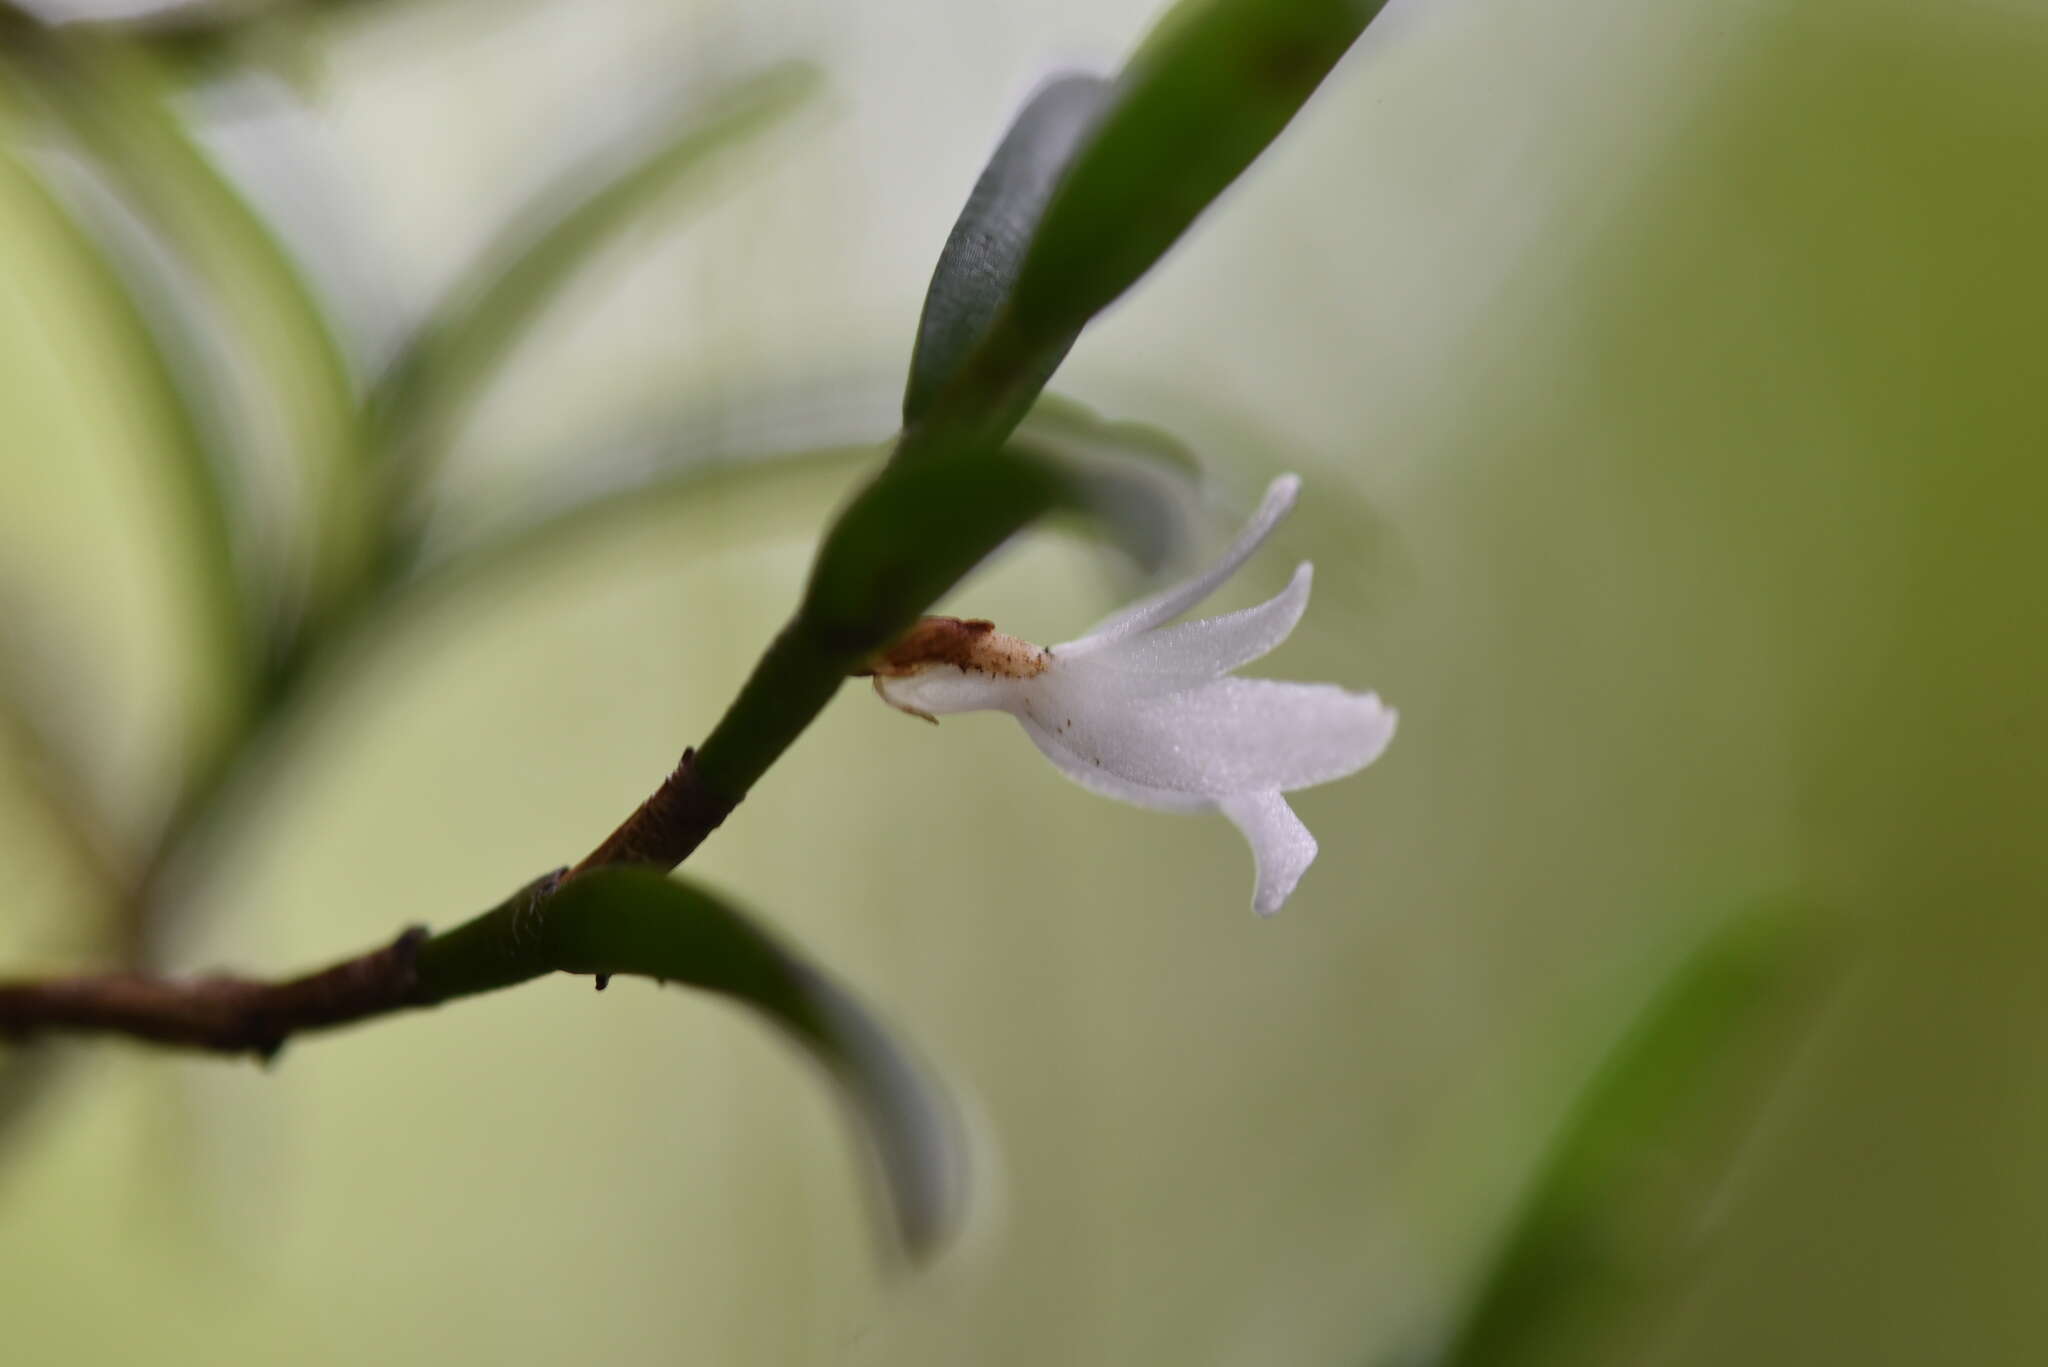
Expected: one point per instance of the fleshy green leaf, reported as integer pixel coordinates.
(902, 541)
(912, 534)
(457, 351)
(1617, 1213)
(1212, 85)
(979, 263)
(638, 921)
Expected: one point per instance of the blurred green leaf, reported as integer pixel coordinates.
(204, 35)
(1618, 1212)
(639, 921)
(1132, 483)
(229, 651)
(54, 773)
(978, 265)
(1212, 85)
(115, 106)
(457, 350)
(580, 511)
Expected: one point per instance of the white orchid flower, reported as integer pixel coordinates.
(1147, 712)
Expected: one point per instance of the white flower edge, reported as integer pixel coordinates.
(1148, 712)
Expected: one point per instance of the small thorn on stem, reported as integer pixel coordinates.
(604, 980)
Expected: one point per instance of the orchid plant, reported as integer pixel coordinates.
(1150, 713)
(1095, 181)
(288, 575)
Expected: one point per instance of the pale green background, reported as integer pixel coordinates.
(1670, 385)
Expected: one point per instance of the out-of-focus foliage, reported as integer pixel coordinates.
(639, 921)
(462, 344)
(1619, 1214)
(1674, 370)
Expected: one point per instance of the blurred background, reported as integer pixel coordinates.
(1669, 386)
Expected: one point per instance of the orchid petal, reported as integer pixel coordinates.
(1168, 604)
(1099, 780)
(1208, 647)
(1221, 737)
(1282, 848)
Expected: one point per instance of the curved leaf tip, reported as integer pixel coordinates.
(978, 265)
(639, 921)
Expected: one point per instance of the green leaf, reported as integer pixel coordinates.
(1214, 83)
(903, 540)
(978, 265)
(114, 104)
(1617, 1213)
(1131, 482)
(911, 535)
(457, 351)
(226, 644)
(638, 921)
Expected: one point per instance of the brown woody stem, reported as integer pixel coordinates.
(224, 1014)
(666, 828)
(234, 1015)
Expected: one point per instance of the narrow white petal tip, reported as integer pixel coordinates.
(1282, 848)
(1164, 606)
(1274, 506)
(1274, 887)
